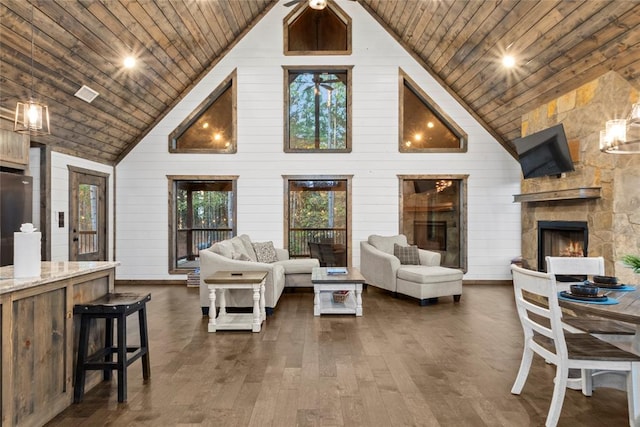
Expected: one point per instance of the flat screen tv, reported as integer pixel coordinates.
(544, 153)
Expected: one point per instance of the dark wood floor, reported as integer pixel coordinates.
(398, 365)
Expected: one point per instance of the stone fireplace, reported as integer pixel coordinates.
(561, 238)
(602, 192)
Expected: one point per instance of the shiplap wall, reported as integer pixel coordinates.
(60, 201)
(142, 187)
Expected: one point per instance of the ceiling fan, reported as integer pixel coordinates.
(313, 4)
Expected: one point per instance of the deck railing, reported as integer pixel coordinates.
(191, 241)
(299, 239)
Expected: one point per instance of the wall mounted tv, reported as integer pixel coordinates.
(544, 153)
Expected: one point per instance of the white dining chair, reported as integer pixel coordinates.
(536, 297)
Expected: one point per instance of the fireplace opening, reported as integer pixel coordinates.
(561, 238)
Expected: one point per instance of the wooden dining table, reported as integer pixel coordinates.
(627, 310)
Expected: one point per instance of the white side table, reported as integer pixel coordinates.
(223, 280)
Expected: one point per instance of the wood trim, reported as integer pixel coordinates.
(171, 179)
(463, 216)
(439, 112)
(342, 15)
(229, 82)
(73, 173)
(285, 113)
(583, 193)
(285, 198)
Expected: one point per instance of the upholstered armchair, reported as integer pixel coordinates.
(424, 279)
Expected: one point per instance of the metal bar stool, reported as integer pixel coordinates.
(110, 307)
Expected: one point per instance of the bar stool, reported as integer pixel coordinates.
(109, 307)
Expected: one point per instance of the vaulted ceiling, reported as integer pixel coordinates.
(559, 45)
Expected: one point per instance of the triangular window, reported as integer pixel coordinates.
(424, 127)
(211, 127)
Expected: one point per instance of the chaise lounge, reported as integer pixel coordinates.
(388, 262)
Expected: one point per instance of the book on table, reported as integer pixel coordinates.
(336, 270)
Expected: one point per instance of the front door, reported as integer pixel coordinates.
(87, 215)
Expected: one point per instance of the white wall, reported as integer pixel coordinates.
(60, 201)
(494, 176)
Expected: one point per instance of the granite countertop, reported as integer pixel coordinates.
(51, 271)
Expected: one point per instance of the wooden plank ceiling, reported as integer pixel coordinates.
(560, 45)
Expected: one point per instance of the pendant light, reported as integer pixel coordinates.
(32, 117)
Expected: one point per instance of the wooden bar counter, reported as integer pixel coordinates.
(39, 337)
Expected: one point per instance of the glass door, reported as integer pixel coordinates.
(87, 215)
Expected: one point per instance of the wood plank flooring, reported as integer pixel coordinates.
(399, 365)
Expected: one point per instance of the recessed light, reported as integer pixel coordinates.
(129, 62)
(508, 61)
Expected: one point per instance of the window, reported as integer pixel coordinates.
(318, 106)
(433, 215)
(317, 32)
(424, 127)
(317, 211)
(202, 211)
(211, 127)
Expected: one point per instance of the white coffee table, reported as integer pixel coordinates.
(223, 280)
(325, 284)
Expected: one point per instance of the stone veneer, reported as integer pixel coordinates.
(613, 219)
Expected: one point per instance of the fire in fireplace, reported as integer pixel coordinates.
(561, 238)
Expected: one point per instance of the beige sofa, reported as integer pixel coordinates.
(238, 254)
(425, 282)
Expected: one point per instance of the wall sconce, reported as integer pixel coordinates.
(622, 136)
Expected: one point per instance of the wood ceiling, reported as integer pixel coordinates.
(560, 45)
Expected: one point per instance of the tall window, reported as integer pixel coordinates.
(318, 214)
(211, 127)
(318, 106)
(433, 215)
(424, 127)
(202, 211)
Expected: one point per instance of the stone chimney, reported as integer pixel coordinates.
(614, 217)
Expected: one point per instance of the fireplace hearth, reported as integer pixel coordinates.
(561, 238)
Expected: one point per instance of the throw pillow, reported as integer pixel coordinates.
(265, 252)
(408, 255)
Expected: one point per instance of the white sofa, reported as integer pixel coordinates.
(238, 254)
(425, 282)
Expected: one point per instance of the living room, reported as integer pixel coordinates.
(493, 228)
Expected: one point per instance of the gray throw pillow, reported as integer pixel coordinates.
(408, 255)
(265, 252)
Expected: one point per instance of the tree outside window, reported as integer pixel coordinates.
(318, 110)
(202, 212)
(318, 212)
